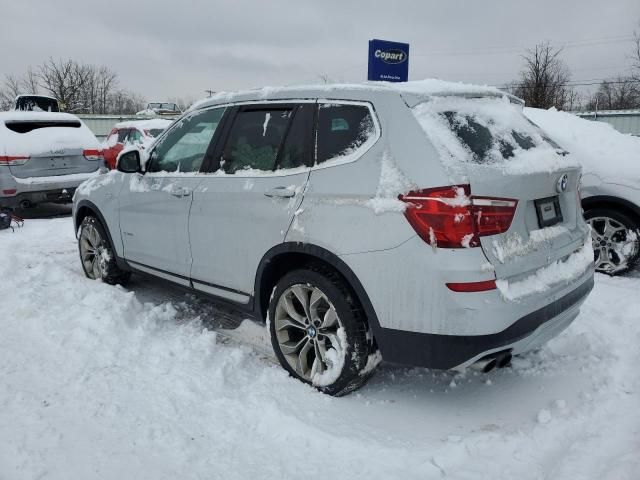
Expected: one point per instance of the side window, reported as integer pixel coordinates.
(134, 136)
(255, 139)
(183, 148)
(342, 129)
(122, 135)
(112, 139)
(294, 151)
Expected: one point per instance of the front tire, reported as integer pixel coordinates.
(318, 331)
(96, 254)
(615, 240)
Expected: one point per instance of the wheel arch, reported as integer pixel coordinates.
(85, 208)
(614, 203)
(289, 256)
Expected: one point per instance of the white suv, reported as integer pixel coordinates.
(426, 224)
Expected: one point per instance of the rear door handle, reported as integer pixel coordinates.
(281, 192)
(181, 192)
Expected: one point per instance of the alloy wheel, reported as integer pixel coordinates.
(308, 331)
(614, 245)
(91, 251)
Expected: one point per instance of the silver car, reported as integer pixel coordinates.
(425, 224)
(44, 156)
(610, 185)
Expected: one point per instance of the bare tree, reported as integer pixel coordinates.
(618, 94)
(30, 81)
(635, 56)
(106, 83)
(65, 80)
(182, 102)
(125, 102)
(543, 81)
(79, 88)
(11, 88)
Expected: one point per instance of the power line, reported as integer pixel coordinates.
(569, 84)
(498, 50)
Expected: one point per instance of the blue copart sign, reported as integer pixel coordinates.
(388, 61)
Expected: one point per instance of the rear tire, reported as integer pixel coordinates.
(615, 238)
(318, 331)
(97, 257)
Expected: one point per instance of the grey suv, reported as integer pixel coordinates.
(427, 224)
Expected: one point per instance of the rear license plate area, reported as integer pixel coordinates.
(548, 211)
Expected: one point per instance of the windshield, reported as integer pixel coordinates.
(154, 132)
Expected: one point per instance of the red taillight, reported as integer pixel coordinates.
(472, 286)
(450, 217)
(13, 160)
(93, 154)
(10, 191)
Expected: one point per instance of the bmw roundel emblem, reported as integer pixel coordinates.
(563, 181)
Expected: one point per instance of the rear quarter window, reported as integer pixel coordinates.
(343, 130)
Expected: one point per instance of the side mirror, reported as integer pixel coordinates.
(129, 162)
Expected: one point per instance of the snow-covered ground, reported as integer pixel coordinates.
(101, 382)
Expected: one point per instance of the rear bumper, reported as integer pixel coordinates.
(55, 189)
(59, 195)
(450, 351)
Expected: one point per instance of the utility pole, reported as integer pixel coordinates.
(210, 92)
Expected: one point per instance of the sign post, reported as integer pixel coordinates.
(388, 61)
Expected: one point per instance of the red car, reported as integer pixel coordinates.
(134, 132)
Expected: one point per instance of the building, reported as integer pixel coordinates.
(625, 121)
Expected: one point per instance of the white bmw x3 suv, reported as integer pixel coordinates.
(426, 223)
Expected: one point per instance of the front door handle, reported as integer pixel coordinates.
(281, 192)
(180, 192)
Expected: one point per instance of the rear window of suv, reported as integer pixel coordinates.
(26, 126)
(480, 130)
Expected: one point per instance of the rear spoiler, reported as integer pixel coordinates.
(412, 99)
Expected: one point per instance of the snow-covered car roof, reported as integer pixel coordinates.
(154, 123)
(597, 145)
(71, 133)
(413, 92)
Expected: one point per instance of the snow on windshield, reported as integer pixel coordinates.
(488, 132)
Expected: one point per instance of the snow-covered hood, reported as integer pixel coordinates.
(613, 156)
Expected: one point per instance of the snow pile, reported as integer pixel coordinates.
(551, 275)
(392, 183)
(335, 358)
(151, 124)
(99, 382)
(426, 87)
(71, 177)
(511, 244)
(510, 131)
(597, 145)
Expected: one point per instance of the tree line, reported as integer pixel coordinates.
(79, 88)
(545, 82)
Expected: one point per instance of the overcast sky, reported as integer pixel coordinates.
(180, 48)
